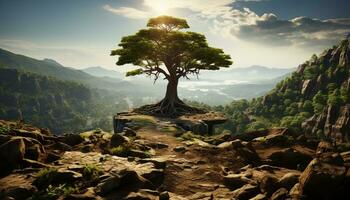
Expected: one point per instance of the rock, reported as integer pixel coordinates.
(308, 87)
(249, 136)
(28, 134)
(108, 185)
(290, 158)
(51, 157)
(180, 149)
(158, 145)
(33, 164)
(323, 147)
(288, 180)
(128, 132)
(11, 155)
(138, 153)
(164, 196)
(159, 163)
(260, 197)
(295, 192)
(118, 140)
(56, 177)
(234, 181)
(274, 140)
(200, 128)
(268, 184)
(246, 192)
(280, 194)
(20, 193)
(60, 146)
(72, 139)
(34, 152)
(321, 180)
(156, 176)
(4, 138)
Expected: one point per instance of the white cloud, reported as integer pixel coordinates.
(128, 12)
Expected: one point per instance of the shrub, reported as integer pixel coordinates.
(91, 172)
(45, 177)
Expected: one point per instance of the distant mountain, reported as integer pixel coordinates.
(48, 67)
(253, 73)
(102, 72)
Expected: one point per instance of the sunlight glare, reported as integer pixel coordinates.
(161, 6)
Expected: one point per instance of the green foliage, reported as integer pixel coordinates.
(53, 192)
(4, 130)
(61, 106)
(45, 177)
(134, 72)
(164, 44)
(189, 136)
(91, 172)
(121, 150)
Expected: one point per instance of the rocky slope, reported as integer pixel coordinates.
(153, 158)
(315, 99)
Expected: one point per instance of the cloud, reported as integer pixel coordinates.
(128, 12)
(206, 7)
(268, 29)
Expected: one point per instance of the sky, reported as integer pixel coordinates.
(81, 33)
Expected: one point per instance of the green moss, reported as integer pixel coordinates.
(189, 136)
(121, 150)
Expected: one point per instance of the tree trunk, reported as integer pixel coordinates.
(171, 99)
(171, 90)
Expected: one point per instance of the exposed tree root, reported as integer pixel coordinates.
(168, 108)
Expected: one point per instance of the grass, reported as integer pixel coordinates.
(45, 177)
(91, 172)
(53, 192)
(121, 150)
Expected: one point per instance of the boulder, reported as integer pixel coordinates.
(11, 155)
(246, 192)
(260, 197)
(234, 181)
(268, 184)
(28, 134)
(288, 180)
(274, 140)
(108, 185)
(118, 139)
(138, 153)
(128, 132)
(280, 194)
(164, 196)
(321, 180)
(72, 139)
(323, 147)
(180, 149)
(290, 158)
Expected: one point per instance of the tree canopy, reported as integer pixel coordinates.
(164, 49)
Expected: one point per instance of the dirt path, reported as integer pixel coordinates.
(193, 174)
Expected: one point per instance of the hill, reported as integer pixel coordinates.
(102, 72)
(62, 106)
(48, 67)
(315, 96)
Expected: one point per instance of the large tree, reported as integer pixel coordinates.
(164, 50)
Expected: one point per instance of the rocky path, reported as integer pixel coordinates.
(192, 171)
